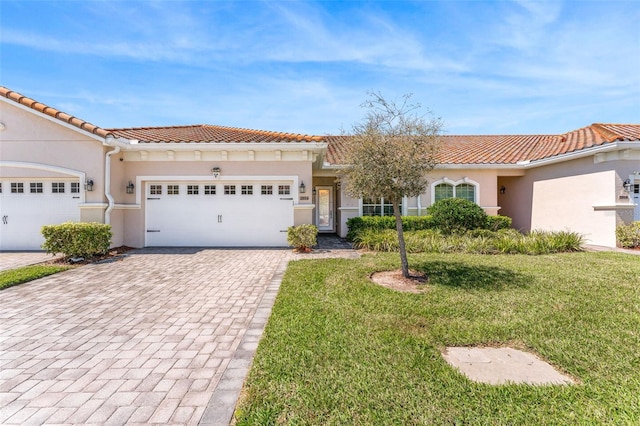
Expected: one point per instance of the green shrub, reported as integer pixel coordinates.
(409, 223)
(496, 223)
(508, 241)
(457, 215)
(302, 237)
(77, 239)
(377, 239)
(628, 236)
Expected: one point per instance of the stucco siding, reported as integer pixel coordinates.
(566, 203)
(36, 140)
(580, 195)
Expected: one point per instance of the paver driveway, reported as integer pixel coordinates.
(153, 338)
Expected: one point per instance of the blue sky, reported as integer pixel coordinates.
(498, 67)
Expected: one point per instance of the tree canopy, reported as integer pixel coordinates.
(390, 153)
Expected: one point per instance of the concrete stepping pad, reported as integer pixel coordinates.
(498, 366)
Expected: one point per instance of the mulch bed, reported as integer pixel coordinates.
(115, 254)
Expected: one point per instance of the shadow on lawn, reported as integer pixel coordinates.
(456, 274)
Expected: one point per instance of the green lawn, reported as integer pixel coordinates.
(28, 273)
(339, 349)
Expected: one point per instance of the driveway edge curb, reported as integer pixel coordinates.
(222, 404)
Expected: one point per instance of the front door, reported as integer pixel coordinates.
(324, 203)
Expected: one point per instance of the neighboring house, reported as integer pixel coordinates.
(208, 185)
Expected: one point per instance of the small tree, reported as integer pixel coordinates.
(389, 154)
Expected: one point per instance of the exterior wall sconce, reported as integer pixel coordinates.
(216, 172)
(503, 189)
(627, 185)
(302, 188)
(314, 191)
(88, 185)
(130, 188)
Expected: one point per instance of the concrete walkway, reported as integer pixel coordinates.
(163, 336)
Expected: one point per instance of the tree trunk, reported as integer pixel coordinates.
(403, 250)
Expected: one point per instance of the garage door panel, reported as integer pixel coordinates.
(220, 219)
(24, 213)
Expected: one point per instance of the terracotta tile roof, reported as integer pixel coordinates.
(471, 149)
(52, 112)
(511, 149)
(204, 133)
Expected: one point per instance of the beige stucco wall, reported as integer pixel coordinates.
(566, 203)
(578, 195)
(28, 137)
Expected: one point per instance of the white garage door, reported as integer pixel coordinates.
(28, 204)
(221, 214)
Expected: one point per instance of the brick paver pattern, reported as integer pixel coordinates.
(142, 340)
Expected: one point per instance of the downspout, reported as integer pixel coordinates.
(419, 205)
(118, 144)
(107, 185)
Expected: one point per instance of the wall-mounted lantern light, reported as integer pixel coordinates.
(88, 185)
(503, 189)
(314, 191)
(627, 185)
(216, 172)
(130, 188)
(302, 188)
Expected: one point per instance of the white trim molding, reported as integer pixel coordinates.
(82, 176)
(625, 206)
(454, 183)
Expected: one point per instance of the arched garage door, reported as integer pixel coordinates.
(218, 214)
(28, 204)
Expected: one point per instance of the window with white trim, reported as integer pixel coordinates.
(444, 190)
(193, 189)
(17, 188)
(377, 207)
(266, 189)
(36, 187)
(155, 190)
(246, 189)
(209, 190)
(57, 187)
(75, 187)
(229, 190)
(284, 190)
(173, 189)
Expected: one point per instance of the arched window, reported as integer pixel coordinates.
(466, 191)
(445, 188)
(442, 191)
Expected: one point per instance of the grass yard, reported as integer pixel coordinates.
(339, 349)
(16, 276)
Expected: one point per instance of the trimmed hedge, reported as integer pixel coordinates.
(409, 223)
(77, 239)
(496, 223)
(457, 215)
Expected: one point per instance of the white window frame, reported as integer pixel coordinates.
(454, 183)
(403, 206)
